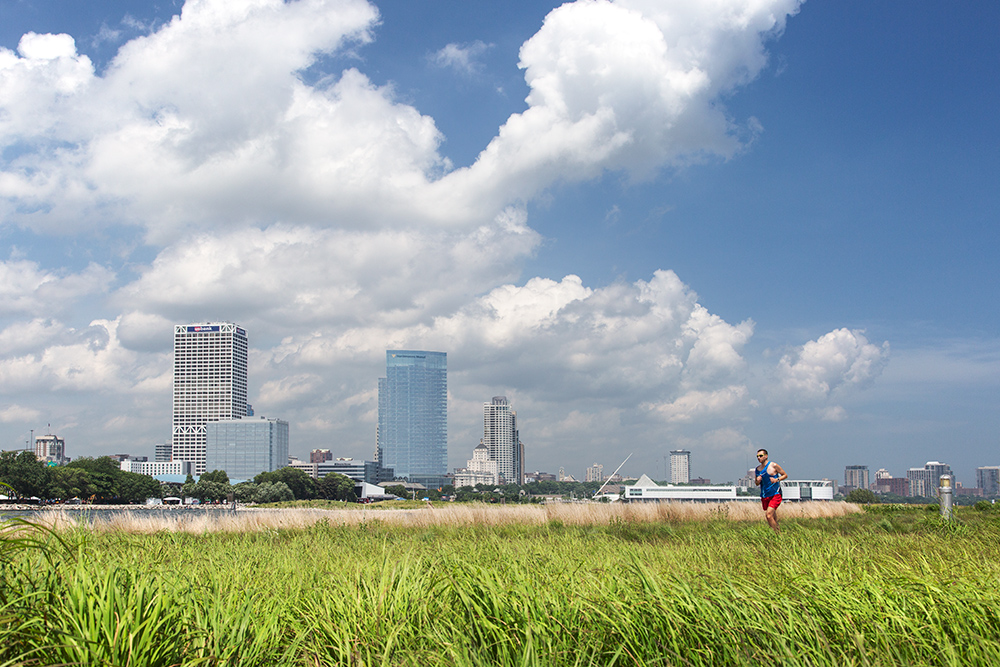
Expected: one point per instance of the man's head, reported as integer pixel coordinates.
(761, 454)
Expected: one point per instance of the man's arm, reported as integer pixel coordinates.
(779, 473)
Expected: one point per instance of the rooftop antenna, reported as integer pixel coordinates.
(612, 475)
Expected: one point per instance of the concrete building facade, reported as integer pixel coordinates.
(50, 448)
(210, 383)
(500, 435)
(680, 466)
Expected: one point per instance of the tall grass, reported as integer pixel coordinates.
(614, 589)
(464, 514)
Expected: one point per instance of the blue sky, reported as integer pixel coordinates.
(674, 241)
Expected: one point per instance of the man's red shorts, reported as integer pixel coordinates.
(770, 501)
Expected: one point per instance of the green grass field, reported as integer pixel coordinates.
(890, 586)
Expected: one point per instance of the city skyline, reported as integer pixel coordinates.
(651, 224)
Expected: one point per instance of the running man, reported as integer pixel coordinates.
(769, 477)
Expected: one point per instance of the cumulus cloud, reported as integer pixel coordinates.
(823, 369)
(463, 58)
(17, 414)
(165, 138)
(26, 288)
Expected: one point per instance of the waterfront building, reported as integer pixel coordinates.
(501, 438)
(988, 479)
(369, 472)
(595, 473)
(480, 469)
(210, 383)
(246, 446)
(162, 451)
(50, 449)
(412, 433)
(855, 477)
(158, 468)
(646, 489)
(680, 466)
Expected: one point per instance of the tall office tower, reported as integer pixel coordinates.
(501, 439)
(413, 415)
(595, 473)
(680, 466)
(50, 448)
(856, 477)
(246, 446)
(988, 479)
(210, 383)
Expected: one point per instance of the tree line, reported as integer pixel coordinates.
(99, 480)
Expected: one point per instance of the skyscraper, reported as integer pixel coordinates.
(501, 439)
(680, 466)
(856, 477)
(210, 383)
(412, 435)
(988, 479)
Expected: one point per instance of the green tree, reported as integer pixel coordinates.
(104, 473)
(862, 497)
(209, 491)
(397, 490)
(303, 486)
(244, 491)
(25, 474)
(219, 476)
(136, 488)
(272, 492)
(335, 486)
(69, 483)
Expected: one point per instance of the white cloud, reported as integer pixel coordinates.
(462, 58)
(819, 371)
(17, 414)
(27, 288)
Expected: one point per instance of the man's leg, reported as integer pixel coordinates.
(772, 518)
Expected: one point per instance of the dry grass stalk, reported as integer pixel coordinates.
(471, 514)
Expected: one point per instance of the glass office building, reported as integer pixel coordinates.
(244, 447)
(412, 436)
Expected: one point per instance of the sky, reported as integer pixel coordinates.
(652, 225)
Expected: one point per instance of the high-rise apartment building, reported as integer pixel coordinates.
(501, 439)
(680, 466)
(924, 481)
(320, 456)
(412, 434)
(595, 473)
(210, 383)
(246, 446)
(50, 448)
(856, 477)
(988, 479)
